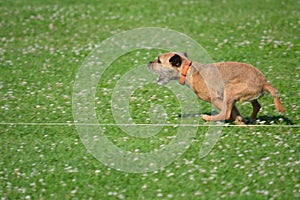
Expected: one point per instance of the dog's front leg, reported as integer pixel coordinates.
(224, 106)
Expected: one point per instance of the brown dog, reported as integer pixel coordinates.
(221, 84)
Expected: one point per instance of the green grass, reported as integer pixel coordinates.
(44, 43)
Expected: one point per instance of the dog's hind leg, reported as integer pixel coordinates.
(256, 107)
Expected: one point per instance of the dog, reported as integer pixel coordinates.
(222, 84)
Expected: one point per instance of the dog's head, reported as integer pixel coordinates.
(168, 66)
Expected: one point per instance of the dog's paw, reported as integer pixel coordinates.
(239, 120)
(206, 117)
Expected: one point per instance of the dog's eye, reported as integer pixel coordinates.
(158, 60)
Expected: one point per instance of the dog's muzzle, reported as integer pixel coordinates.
(150, 67)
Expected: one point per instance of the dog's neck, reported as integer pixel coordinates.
(184, 71)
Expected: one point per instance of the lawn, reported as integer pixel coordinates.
(44, 155)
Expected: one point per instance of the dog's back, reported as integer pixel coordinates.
(240, 72)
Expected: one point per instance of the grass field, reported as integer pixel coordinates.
(44, 43)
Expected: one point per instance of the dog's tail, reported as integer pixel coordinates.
(278, 105)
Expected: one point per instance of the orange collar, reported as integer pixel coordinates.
(185, 69)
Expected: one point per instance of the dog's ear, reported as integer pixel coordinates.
(185, 54)
(175, 60)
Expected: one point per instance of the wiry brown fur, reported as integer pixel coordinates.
(221, 84)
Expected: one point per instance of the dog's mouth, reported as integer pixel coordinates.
(162, 80)
(165, 75)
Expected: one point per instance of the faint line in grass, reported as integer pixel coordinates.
(172, 125)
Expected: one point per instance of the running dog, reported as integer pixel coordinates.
(222, 84)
